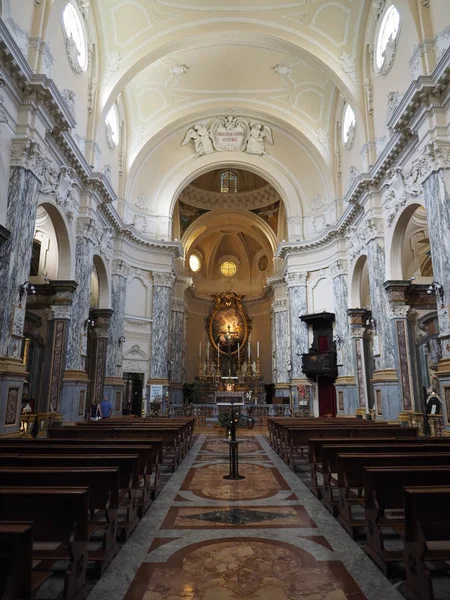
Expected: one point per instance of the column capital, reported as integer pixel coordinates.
(337, 269)
(165, 279)
(27, 154)
(434, 157)
(121, 269)
(295, 279)
(358, 316)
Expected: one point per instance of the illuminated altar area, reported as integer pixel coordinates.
(228, 370)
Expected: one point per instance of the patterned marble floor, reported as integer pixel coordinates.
(262, 538)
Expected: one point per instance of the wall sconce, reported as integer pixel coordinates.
(122, 340)
(25, 287)
(436, 289)
(88, 322)
(371, 323)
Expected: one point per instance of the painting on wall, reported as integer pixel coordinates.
(188, 214)
(11, 406)
(228, 325)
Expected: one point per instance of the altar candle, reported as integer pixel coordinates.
(199, 349)
(249, 350)
(239, 351)
(218, 352)
(257, 349)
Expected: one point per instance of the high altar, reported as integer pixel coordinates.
(229, 371)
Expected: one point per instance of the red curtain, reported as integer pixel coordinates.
(327, 398)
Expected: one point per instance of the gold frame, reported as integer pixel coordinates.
(225, 301)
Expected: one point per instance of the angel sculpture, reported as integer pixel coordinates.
(258, 132)
(202, 141)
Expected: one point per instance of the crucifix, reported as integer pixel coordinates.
(229, 335)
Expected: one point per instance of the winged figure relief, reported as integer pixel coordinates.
(202, 141)
(258, 133)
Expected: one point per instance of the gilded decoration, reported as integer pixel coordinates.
(228, 325)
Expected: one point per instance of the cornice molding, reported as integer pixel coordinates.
(210, 200)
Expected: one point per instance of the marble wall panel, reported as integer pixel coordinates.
(340, 291)
(162, 298)
(177, 343)
(298, 329)
(280, 346)
(15, 253)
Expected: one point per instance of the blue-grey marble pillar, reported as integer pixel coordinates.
(162, 303)
(281, 352)
(346, 391)
(113, 388)
(296, 286)
(27, 166)
(433, 168)
(357, 320)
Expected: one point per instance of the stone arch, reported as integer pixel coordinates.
(103, 280)
(65, 269)
(183, 174)
(359, 282)
(395, 242)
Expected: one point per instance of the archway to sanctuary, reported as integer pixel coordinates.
(230, 222)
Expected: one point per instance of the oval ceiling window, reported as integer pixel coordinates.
(228, 268)
(75, 36)
(194, 263)
(386, 43)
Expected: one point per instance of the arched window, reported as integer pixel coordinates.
(386, 40)
(348, 126)
(228, 182)
(112, 127)
(194, 263)
(76, 41)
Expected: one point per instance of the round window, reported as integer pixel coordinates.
(194, 263)
(75, 35)
(228, 268)
(386, 39)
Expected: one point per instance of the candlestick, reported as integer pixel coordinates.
(248, 348)
(257, 349)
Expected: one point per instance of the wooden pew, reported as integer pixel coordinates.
(315, 454)
(330, 464)
(17, 579)
(384, 504)
(351, 477)
(103, 485)
(59, 516)
(427, 537)
(149, 473)
(128, 476)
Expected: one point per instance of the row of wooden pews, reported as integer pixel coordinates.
(73, 496)
(382, 479)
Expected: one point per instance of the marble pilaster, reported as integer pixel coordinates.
(346, 392)
(281, 352)
(162, 304)
(58, 315)
(177, 343)
(409, 398)
(357, 321)
(98, 344)
(114, 386)
(27, 164)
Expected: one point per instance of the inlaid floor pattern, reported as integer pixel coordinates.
(265, 537)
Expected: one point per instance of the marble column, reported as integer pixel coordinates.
(76, 380)
(385, 376)
(177, 343)
(357, 322)
(114, 385)
(59, 314)
(27, 166)
(162, 303)
(409, 399)
(281, 352)
(346, 391)
(433, 168)
(98, 344)
(296, 285)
